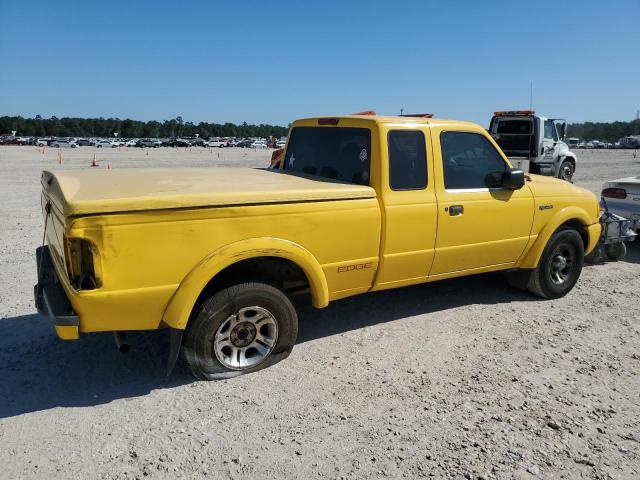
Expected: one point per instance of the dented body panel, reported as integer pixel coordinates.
(147, 258)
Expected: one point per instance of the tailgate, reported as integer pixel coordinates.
(54, 231)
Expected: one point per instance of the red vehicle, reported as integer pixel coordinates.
(13, 141)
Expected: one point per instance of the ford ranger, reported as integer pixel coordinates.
(358, 204)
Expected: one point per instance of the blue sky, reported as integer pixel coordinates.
(272, 62)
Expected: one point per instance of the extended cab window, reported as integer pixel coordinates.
(340, 153)
(469, 160)
(407, 160)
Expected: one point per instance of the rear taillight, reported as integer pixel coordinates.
(80, 254)
(614, 193)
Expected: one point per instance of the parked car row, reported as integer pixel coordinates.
(214, 142)
(631, 141)
(597, 144)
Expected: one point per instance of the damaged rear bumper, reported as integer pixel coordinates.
(51, 299)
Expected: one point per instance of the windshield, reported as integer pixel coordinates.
(339, 153)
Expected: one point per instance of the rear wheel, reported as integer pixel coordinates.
(560, 265)
(241, 329)
(615, 251)
(566, 171)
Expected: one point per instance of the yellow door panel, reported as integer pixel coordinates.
(409, 206)
(493, 228)
(478, 226)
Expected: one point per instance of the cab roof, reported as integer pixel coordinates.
(389, 119)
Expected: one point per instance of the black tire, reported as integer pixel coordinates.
(560, 265)
(566, 171)
(615, 251)
(198, 350)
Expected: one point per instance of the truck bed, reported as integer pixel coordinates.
(86, 192)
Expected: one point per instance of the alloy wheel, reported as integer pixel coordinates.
(245, 338)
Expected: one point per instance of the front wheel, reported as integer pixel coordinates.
(566, 171)
(560, 265)
(238, 330)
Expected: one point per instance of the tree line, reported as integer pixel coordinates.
(607, 132)
(106, 127)
(177, 127)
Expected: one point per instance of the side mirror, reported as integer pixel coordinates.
(513, 179)
(561, 128)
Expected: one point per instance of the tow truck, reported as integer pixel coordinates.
(533, 143)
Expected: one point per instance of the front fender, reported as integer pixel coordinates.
(567, 156)
(179, 308)
(532, 256)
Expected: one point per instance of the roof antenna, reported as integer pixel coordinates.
(401, 110)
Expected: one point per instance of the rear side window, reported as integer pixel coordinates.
(339, 153)
(469, 160)
(407, 160)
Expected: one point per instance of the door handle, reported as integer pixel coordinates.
(455, 210)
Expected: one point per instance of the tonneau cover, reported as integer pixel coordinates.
(87, 192)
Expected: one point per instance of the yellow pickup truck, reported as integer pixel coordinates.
(359, 203)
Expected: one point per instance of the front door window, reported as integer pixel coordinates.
(470, 161)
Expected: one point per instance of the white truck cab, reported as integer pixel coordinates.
(534, 143)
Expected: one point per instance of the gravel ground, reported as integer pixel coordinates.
(463, 378)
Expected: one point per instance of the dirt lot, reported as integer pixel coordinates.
(458, 379)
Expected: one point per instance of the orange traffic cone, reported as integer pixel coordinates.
(94, 163)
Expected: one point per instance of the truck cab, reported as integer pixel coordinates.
(533, 143)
